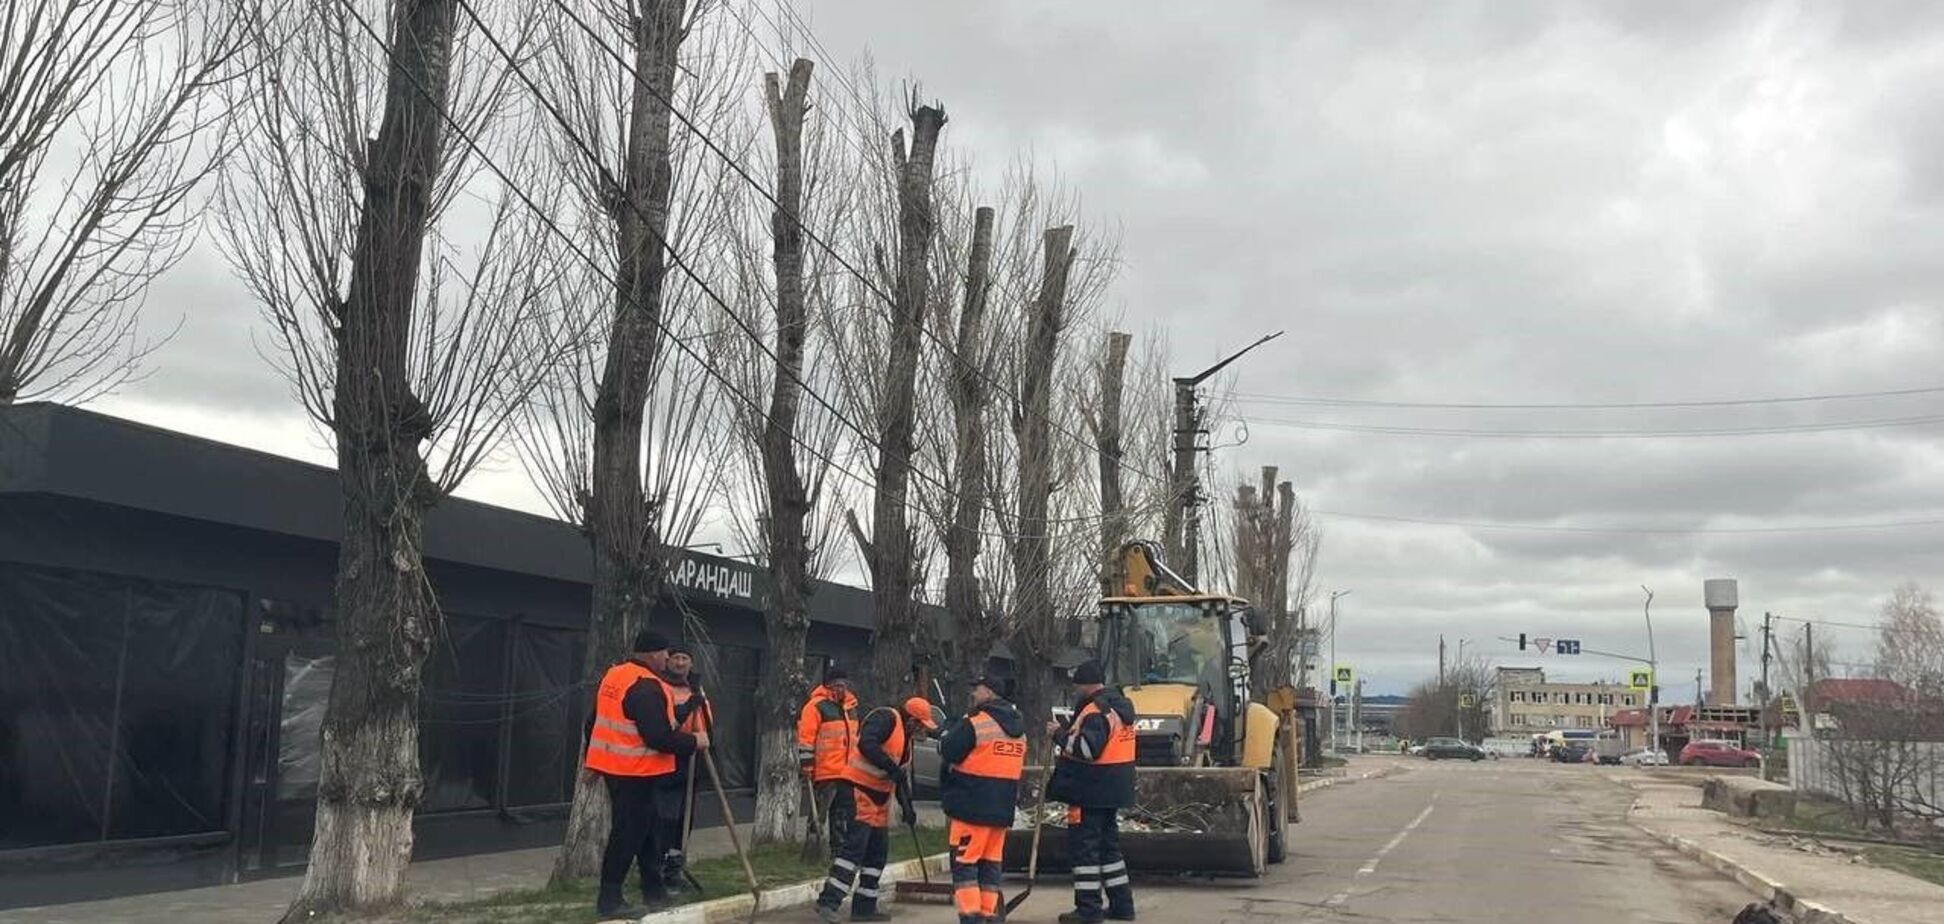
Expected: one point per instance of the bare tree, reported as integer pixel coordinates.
(413, 345)
(1275, 550)
(890, 551)
(627, 443)
(123, 94)
(1435, 707)
(1910, 646)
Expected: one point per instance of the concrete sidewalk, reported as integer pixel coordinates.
(1825, 886)
(261, 901)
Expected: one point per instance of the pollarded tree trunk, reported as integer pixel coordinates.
(369, 782)
(779, 803)
(977, 630)
(1034, 645)
(620, 525)
(1113, 507)
(890, 550)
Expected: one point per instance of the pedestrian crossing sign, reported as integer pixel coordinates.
(1641, 680)
(1345, 674)
(1467, 701)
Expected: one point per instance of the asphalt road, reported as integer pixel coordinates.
(1499, 841)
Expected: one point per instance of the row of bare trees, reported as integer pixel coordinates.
(556, 227)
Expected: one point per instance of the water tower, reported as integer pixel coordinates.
(1722, 597)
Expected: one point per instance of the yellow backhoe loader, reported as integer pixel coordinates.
(1213, 769)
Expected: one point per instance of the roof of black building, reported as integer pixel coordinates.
(61, 451)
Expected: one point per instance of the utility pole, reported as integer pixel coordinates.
(1356, 717)
(1808, 674)
(1441, 669)
(1181, 524)
(1767, 638)
(1697, 688)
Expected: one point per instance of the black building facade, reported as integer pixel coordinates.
(166, 651)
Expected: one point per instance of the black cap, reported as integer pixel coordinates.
(648, 640)
(681, 648)
(996, 684)
(833, 673)
(1089, 672)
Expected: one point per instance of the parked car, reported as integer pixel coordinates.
(1708, 753)
(1415, 750)
(1643, 757)
(1451, 749)
(1572, 752)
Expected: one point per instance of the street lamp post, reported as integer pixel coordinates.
(1334, 740)
(1653, 674)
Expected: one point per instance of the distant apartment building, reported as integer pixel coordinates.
(1526, 704)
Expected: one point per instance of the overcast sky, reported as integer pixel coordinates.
(1491, 203)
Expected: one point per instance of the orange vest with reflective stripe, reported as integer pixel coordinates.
(826, 742)
(615, 746)
(997, 755)
(1120, 737)
(861, 771)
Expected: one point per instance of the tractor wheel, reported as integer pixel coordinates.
(1276, 815)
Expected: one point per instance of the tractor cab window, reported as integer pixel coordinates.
(1169, 643)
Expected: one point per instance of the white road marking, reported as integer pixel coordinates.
(1337, 900)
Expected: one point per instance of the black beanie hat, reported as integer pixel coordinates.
(1089, 672)
(833, 673)
(648, 640)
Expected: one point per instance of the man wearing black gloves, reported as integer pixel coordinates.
(633, 743)
(873, 773)
(1095, 778)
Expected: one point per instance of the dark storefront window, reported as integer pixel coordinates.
(547, 706)
(729, 675)
(460, 711)
(117, 701)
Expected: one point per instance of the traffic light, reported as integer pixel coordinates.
(1522, 641)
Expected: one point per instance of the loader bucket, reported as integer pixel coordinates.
(1196, 820)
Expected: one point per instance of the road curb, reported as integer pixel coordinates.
(1769, 890)
(1329, 781)
(795, 895)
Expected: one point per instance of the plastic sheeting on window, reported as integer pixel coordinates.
(550, 705)
(729, 675)
(461, 710)
(117, 698)
(300, 742)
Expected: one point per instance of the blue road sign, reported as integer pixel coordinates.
(1568, 646)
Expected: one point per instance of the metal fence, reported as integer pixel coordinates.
(1814, 767)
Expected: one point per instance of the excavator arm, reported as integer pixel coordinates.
(1144, 575)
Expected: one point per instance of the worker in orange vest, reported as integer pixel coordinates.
(633, 743)
(982, 758)
(826, 732)
(1095, 778)
(672, 801)
(861, 804)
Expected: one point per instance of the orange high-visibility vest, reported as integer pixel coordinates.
(615, 746)
(861, 771)
(997, 755)
(1120, 737)
(825, 742)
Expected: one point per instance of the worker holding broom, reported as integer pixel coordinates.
(873, 775)
(1095, 778)
(826, 732)
(982, 758)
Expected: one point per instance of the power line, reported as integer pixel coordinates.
(507, 183)
(1640, 530)
(742, 172)
(1470, 432)
(1836, 625)
(1320, 401)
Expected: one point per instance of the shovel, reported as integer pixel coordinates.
(816, 846)
(1032, 857)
